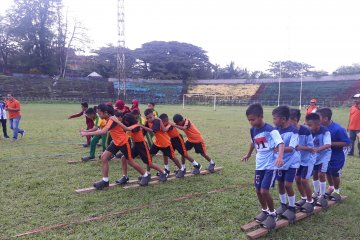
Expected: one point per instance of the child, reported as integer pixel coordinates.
(162, 141)
(120, 143)
(135, 105)
(286, 174)
(3, 116)
(140, 147)
(264, 138)
(98, 124)
(194, 138)
(120, 106)
(322, 150)
(307, 160)
(339, 147)
(177, 142)
(151, 106)
(142, 122)
(89, 122)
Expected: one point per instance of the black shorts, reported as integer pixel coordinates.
(125, 149)
(141, 149)
(199, 147)
(179, 145)
(167, 151)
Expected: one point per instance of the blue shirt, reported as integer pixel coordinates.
(265, 139)
(306, 139)
(338, 134)
(321, 138)
(290, 136)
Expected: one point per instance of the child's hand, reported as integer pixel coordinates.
(245, 158)
(279, 162)
(113, 118)
(172, 124)
(315, 150)
(83, 134)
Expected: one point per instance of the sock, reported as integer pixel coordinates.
(167, 167)
(337, 191)
(265, 210)
(194, 163)
(183, 167)
(282, 198)
(302, 197)
(105, 179)
(316, 186)
(291, 201)
(322, 188)
(272, 213)
(212, 162)
(312, 200)
(146, 174)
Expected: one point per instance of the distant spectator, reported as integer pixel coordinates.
(354, 124)
(312, 107)
(89, 122)
(135, 105)
(3, 116)
(120, 106)
(13, 107)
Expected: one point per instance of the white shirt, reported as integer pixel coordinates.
(2, 111)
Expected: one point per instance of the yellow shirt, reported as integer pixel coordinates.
(100, 123)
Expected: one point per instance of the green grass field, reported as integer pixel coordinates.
(37, 187)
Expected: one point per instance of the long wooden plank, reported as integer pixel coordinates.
(99, 160)
(133, 182)
(261, 232)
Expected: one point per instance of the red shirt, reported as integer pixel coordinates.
(13, 104)
(354, 118)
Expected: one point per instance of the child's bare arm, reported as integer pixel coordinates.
(248, 155)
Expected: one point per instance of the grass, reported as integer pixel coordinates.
(37, 186)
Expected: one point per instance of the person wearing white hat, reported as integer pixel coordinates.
(354, 124)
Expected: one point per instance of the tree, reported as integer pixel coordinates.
(347, 70)
(7, 45)
(32, 25)
(172, 60)
(289, 69)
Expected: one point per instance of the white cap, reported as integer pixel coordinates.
(356, 95)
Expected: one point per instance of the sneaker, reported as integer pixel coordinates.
(329, 191)
(123, 180)
(315, 195)
(6, 137)
(280, 210)
(211, 168)
(144, 181)
(180, 174)
(269, 222)
(101, 185)
(163, 177)
(197, 169)
(261, 216)
(335, 196)
(87, 158)
(300, 203)
(85, 145)
(23, 134)
(167, 172)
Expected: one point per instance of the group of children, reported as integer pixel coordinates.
(129, 136)
(292, 152)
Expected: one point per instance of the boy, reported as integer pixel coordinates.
(89, 122)
(322, 150)
(178, 144)
(98, 124)
(307, 160)
(142, 122)
(3, 116)
(140, 147)
(162, 141)
(120, 143)
(264, 138)
(286, 174)
(339, 148)
(194, 138)
(151, 106)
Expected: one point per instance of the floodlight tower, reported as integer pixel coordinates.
(121, 49)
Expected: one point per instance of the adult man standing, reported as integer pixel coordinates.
(3, 116)
(354, 123)
(13, 108)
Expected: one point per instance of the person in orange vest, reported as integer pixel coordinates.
(354, 124)
(312, 107)
(13, 107)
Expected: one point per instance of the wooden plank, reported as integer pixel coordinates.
(249, 226)
(261, 232)
(134, 183)
(99, 160)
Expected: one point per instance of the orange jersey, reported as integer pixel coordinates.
(173, 132)
(192, 133)
(354, 118)
(13, 104)
(162, 139)
(137, 134)
(117, 133)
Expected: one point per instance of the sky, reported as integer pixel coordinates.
(323, 33)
